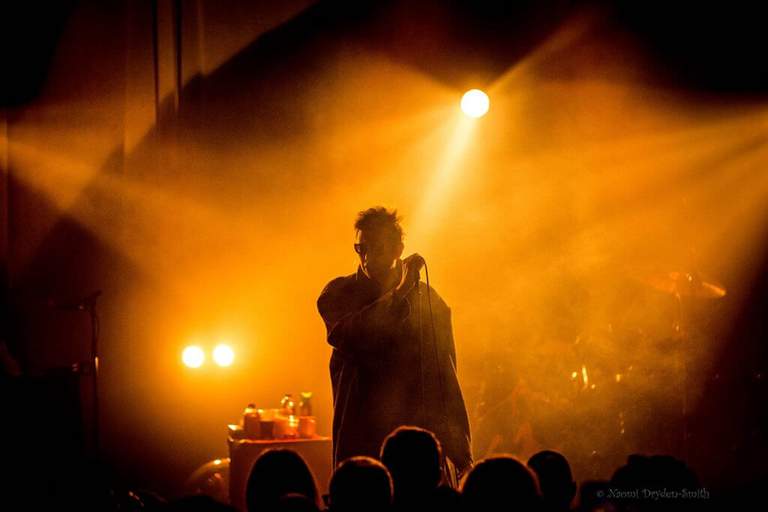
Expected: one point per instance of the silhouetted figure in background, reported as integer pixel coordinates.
(389, 367)
(661, 474)
(593, 496)
(276, 473)
(414, 457)
(360, 484)
(500, 483)
(555, 480)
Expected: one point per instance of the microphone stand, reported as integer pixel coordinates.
(90, 307)
(88, 304)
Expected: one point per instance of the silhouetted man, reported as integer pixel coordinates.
(555, 480)
(360, 483)
(413, 457)
(500, 482)
(389, 366)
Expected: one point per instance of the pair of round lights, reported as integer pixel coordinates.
(193, 356)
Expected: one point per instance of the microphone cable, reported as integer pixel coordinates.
(440, 380)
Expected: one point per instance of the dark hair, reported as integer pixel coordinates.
(275, 473)
(295, 502)
(499, 483)
(360, 483)
(555, 479)
(655, 473)
(413, 457)
(379, 218)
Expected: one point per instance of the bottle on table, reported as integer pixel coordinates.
(252, 422)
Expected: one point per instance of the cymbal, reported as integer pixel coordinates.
(685, 284)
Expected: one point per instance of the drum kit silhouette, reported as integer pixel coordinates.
(686, 288)
(671, 384)
(625, 393)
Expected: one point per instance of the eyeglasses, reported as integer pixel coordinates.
(376, 247)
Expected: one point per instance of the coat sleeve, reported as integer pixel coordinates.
(364, 330)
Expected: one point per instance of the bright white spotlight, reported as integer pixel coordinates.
(193, 356)
(223, 355)
(475, 103)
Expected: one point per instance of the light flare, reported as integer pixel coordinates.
(193, 356)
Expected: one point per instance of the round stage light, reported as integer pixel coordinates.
(223, 355)
(193, 356)
(475, 103)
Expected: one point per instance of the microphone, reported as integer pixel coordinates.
(417, 261)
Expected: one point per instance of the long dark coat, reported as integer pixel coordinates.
(388, 370)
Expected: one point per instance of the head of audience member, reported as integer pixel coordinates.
(499, 483)
(652, 473)
(294, 502)
(275, 473)
(555, 479)
(593, 496)
(360, 483)
(445, 498)
(413, 457)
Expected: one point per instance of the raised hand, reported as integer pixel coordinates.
(412, 265)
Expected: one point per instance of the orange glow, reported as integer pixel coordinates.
(534, 221)
(446, 177)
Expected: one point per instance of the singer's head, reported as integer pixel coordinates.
(378, 242)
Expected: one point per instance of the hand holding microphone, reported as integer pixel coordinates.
(412, 266)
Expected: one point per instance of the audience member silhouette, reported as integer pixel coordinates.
(649, 483)
(593, 496)
(500, 483)
(275, 473)
(295, 502)
(409, 478)
(360, 484)
(413, 457)
(555, 480)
